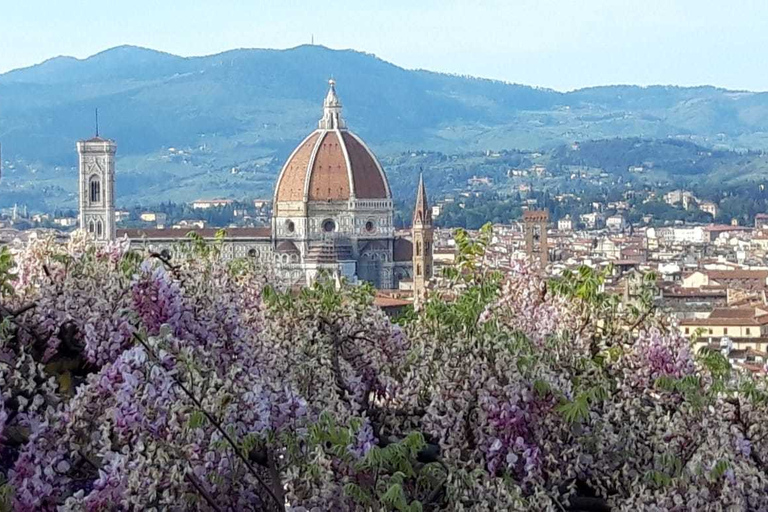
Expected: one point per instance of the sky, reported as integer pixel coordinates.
(563, 44)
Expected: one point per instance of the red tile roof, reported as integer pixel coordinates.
(177, 234)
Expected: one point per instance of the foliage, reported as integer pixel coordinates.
(133, 381)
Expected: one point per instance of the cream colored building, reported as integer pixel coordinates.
(746, 326)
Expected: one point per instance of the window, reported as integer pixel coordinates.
(725, 330)
(748, 330)
(418, 248)
(710, 331)
(99, 228)
(687, 330)
(290, 226)
(329, 226)
(95, 190)
(91, 227)
(418, 269)
(369, 226)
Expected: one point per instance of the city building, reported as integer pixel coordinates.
(333, 213)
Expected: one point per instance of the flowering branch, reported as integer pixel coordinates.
(215, 423)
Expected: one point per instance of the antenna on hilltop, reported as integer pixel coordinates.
(97, 122)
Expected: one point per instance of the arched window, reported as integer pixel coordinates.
(418, 248)
(99, 228)
(418, 269)
(91, 227)
(95, 190)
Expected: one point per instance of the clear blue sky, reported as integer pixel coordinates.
(562, 44)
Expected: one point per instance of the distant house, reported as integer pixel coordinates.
(679, 196)
(708, 207)
(615, 223)
(480, 180)
(65, 222)
(592, 220)
(189, 224)
(565, 224)
(158, 218)
(761, 221)
(202, 204)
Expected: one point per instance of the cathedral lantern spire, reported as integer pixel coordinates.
(332, 110)
(422, 235)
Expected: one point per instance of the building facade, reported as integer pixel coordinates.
(97, 187)
(332, 212)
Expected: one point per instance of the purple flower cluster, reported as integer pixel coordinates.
(158, 300)
(658, 354)
(364, 440)
(39, 476)
(3, 418)
(510, 445)
(743, 445)
(109, 487)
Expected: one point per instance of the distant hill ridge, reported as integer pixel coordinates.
(248, 108)
(151, 99)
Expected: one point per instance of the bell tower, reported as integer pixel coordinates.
(422, 235)
(536, 246)
(97, 187)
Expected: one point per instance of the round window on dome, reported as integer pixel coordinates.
(329, 226)
(290, 226)
(370, 226)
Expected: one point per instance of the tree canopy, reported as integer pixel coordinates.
(135, 381)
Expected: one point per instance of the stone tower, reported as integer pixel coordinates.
(536, 246)
(422, 244)
(97, 187)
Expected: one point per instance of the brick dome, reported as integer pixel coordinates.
(331, 164)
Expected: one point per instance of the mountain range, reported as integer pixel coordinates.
(223, 124)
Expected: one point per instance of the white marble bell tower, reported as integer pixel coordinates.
(97, 187)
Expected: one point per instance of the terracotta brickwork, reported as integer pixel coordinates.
(292, 180)
(369, 183)
(329, 180)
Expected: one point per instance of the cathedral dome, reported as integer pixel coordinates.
(331, 164)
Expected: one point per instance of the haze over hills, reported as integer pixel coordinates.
(232, 118)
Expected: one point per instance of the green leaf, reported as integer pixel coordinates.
(196, 420)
